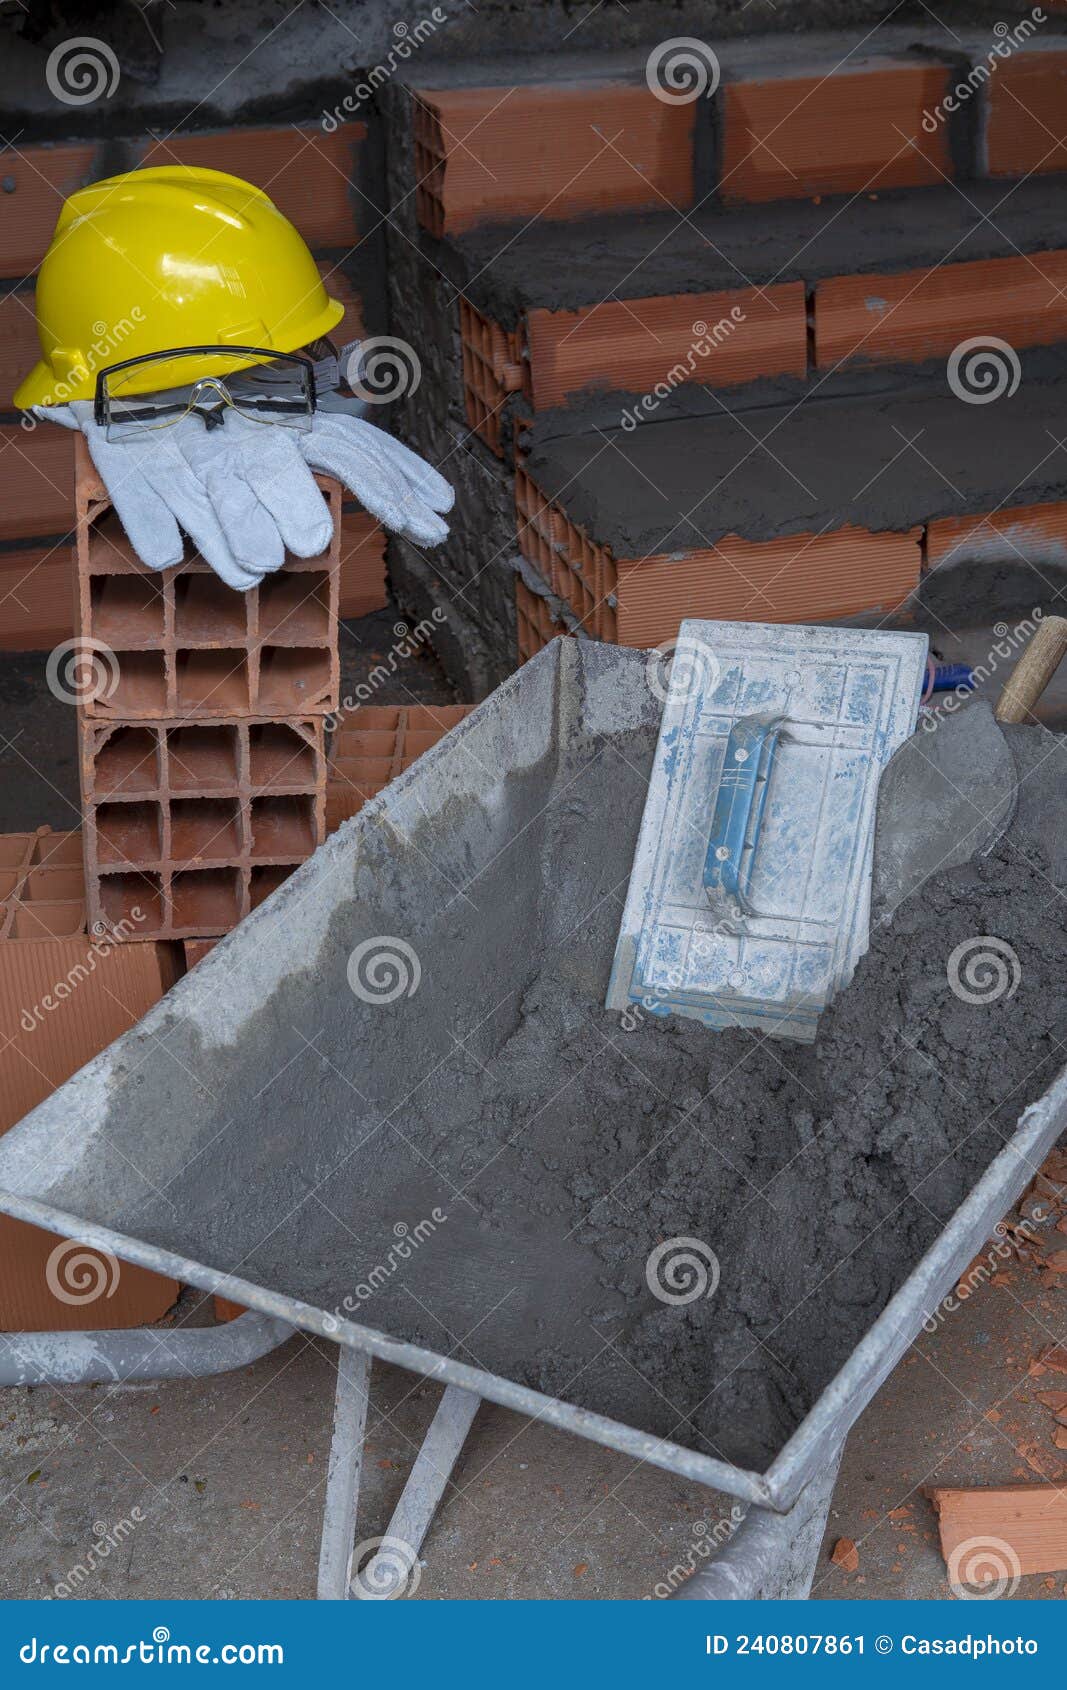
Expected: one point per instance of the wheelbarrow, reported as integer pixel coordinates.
(168, 1151)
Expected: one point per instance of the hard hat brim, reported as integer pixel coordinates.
(41, 387)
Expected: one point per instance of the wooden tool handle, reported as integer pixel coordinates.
(1034, 670)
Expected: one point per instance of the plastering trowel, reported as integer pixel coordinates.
(749, 899)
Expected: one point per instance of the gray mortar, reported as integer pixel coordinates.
(563, 1143)
(685, 483)
(261, 60)
(563, 266)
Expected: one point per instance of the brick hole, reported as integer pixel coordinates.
(208, 899)
(215, 681)
(294, 607)
(292, 678)
(280, 756)
(201, 758)
(204, 829)
(283, 827)
(207, 611)
(123, 895)
(128, 833)
(126, 610)
(127, 762)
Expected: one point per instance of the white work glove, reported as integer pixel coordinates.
(245, 493)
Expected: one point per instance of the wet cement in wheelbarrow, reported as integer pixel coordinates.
(505, 1211)
(816, 1176)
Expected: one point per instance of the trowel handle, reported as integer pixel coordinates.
(739, 802)
(1034, 670)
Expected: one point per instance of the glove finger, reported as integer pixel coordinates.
(383, 493)
(431, 487)
(168, 471)
(251, 533)
(272, 466)
(146, 517)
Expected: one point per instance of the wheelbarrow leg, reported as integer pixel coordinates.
(771, 1557)
(343, 1473)
(389, 1568)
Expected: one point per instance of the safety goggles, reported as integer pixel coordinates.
(262, 386)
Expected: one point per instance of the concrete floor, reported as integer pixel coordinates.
(217, 1486)
(223, 1479)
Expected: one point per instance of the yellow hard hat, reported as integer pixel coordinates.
(158, 259)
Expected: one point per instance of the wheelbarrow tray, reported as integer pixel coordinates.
(253, 1050)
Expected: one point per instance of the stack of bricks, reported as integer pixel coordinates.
(377, 743)
(65, 994)
(201, 737)
(625, 259)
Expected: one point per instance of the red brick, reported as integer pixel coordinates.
(493, 367)
(490, 155)
(19, 346)
(631, 345)
(1031, 534)
(306, 173)
(846, 132)
(796, 578)
(363, 586)
(37, 467)
(36, 597)
(1026, 127)
(919, 314)
(43, 178)
(108, 997)
(535, 621)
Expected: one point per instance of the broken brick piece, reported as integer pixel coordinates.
(845, 1555)
(1023, 1529)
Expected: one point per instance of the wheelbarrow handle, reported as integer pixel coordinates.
(1034, 670)
(748, 757)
